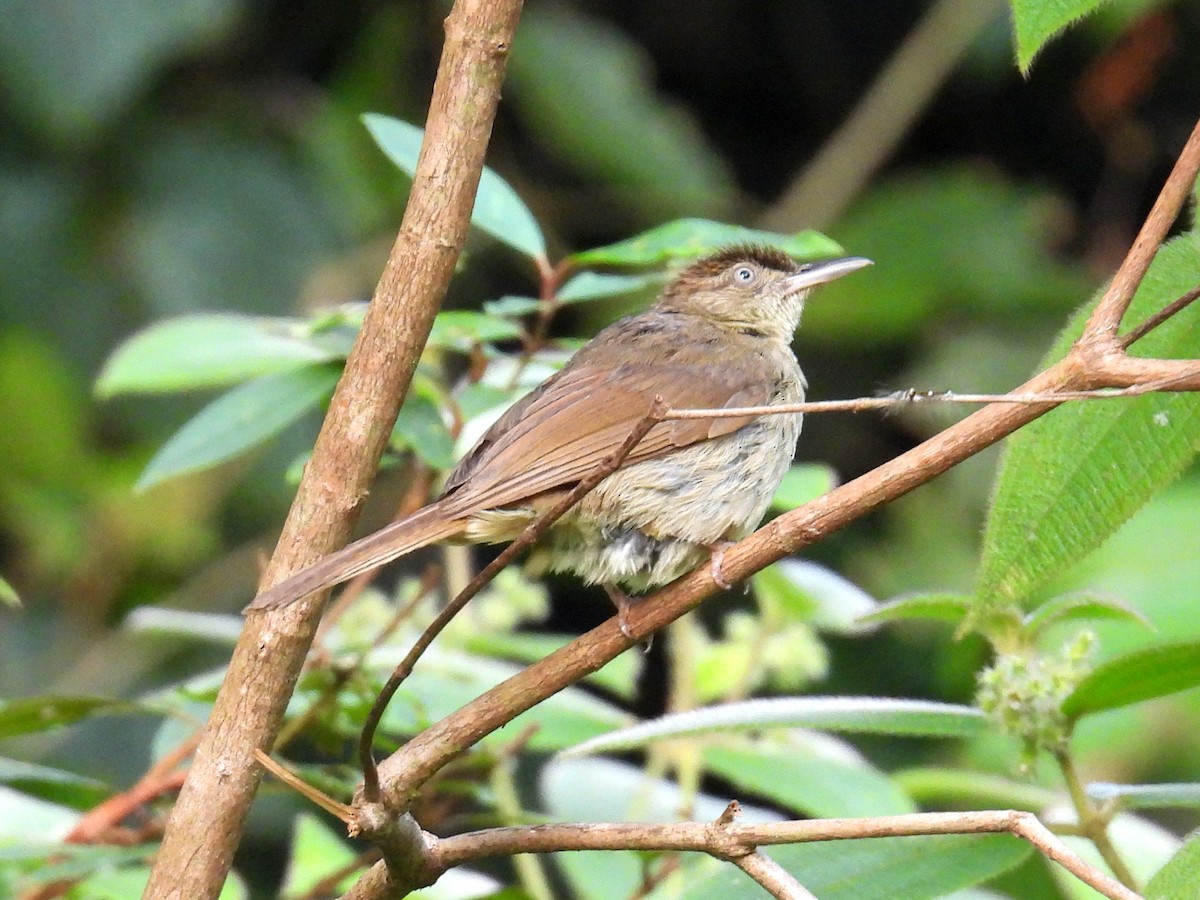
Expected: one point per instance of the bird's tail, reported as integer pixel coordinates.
(425, 526)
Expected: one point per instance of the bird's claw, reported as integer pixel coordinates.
(718, 556)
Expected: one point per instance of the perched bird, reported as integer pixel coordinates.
(719, 335)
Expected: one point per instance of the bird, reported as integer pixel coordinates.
(718, 335)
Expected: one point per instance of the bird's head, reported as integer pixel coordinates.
(752, 288)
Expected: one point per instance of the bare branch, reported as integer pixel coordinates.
(207, 821)
(774, 878)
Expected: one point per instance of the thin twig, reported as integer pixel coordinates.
(1094, 827)
(1140, 331)
(729, 840)
(774, 878)
(527, 537)
(912, 397)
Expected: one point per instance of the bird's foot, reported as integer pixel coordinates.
(623, 602)
(718, 549)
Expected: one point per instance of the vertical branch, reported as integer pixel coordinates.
(206, 824)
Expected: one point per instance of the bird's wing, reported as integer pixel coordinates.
(563, 431)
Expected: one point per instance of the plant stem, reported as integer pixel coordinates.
(1093, 826)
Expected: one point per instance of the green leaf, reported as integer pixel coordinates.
(963, 789)
(316, 853)
(1068, 480)
(498, 210)
(806, 591)
(420, 427)
(945, 607)
(1141, 675)
(811, 774)
(33, 714)
(585, 88)
(912, 868)
(511, 306)
(1037, 21)
(864, 715)
(1146, 796)
(686, 239)
(598, 285)
(1073, 607)
(204, 351)
(55, 785)
(802, 483)
(463, 329)
(1177, 880)
(619, 676)
(242, 418)
(8, 595)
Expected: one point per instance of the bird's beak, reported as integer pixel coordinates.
(812, 274)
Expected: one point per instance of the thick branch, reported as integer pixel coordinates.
(206, 824)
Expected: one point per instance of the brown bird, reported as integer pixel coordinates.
(719, 335)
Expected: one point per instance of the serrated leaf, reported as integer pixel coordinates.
(1146, 796)
(204, 351)
(1141, 675)
(1177, 880)
(1073, 607)
(686, 239)
(498, 210)
(944, 607)
(238, 420)
(863, 715)
(33, 714)
(1035, 22)
(462, 329)
(802, 483)
(1068, 480)
(597, 285)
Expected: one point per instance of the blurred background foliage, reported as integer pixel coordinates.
(166, 158)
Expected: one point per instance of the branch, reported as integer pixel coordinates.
(206, 824)
(729, 840)
(774, 878)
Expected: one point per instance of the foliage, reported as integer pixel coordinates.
(191, 264)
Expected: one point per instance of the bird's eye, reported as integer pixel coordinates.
(743, 275)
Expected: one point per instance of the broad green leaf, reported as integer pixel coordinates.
(802, 483)
(1141, 675)
(33, 714)
(204, 351)
(619, 676)
(1146, 796)
(511, 306)
(317, 852)
(1068, 480)
(420, 427)
(1037, 21)
(686, 239)
(946, 607)
(960, 788)
(55, 785)
(57, 861)
(586, 89)
(1177, 880)
(598, 285)
(8, 595)
(912, 868)
(807, 591)
(498, 210)
(864, 715)
(1073, 607)
(236, 421)
(811, 774)
(462, 329)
